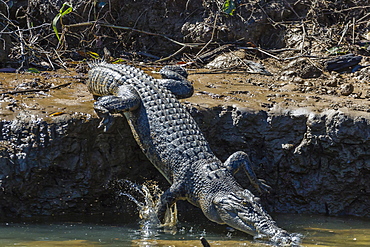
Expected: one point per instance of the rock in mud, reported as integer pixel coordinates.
(302, 68)
(346, 89)
(367, 94)
(343, 63)
(236, 60)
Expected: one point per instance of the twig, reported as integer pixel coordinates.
(260, 50)
(25, 29)
(221, 71)
(6, 17)
(268, 54)
(37, 90)
(60, 60)
(343, 33)
(349, 9)
(313, 64)
(129, 29)
(364, 17)
(277, 58)
(81, 24)
(211, 39)
(172, 55)
(298, 56)
(146, 32)
(204, 242)
(20, 37)
(147, 55)
(291, 8)
(303, 37)
(353, 30)
(268, 17)
(284, 49)
(209, 55)
(60, 86)
(50, 62)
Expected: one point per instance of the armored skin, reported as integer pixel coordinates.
(173, 142)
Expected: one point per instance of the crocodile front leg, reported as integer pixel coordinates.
(241, 160)
(126, 99)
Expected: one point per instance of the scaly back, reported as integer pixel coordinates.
(163, 128)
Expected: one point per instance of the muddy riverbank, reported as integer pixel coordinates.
(314, 150)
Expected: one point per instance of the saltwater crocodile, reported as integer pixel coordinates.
(173, 142)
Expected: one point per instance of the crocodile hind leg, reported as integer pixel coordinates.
(127, 99)
(175, 80)
(241, 160)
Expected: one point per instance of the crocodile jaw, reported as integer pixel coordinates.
(242, 211)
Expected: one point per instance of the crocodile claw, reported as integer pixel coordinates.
(107, 121)
(263, 187)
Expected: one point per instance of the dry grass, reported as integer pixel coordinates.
(309, 26)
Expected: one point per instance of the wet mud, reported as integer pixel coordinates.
(312, 147)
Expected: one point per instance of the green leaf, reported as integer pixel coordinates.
(337, 51)
(119, 60)
(61, 13)
(229, 7)
(94, 55)
(33, 70)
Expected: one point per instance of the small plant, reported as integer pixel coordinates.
(61, 13)
(229, 7)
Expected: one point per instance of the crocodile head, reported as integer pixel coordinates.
(241, 210)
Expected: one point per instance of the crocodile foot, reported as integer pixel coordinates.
(241, 160)
(107, 121)
(262, 186)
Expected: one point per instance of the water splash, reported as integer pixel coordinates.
(145, 205)
(145, 197)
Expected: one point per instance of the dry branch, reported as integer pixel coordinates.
(128, 29)
(33, 90)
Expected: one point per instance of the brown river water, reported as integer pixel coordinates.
(318, 231)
